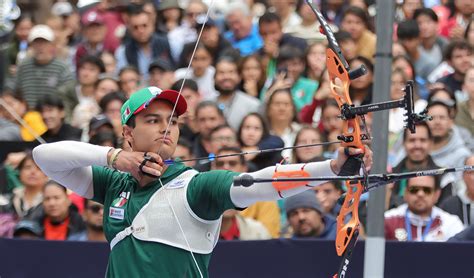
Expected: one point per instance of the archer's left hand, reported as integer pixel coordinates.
(336, 164)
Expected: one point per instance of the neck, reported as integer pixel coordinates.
(424, 214)
(146, 47)
(226, 224)
(279, 127)
(412, 165)
(428, 43)
(87, 90)
(94, 235)
(31, 192)
(458, 76)
(225, 97)
(59, 219)
(56, 129)
(414, 54)
(440, 142)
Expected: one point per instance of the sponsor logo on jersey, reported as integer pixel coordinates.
(121, 200)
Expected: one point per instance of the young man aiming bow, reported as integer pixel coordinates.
(162, 219)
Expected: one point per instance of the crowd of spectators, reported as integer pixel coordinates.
(254, 77)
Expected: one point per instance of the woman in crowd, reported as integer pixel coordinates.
(253, 135)
(331, 124)
(253, 75)
(316, 61)
(307, 135)
(281, 115)
(361, 88)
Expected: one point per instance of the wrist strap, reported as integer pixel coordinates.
(113, 158)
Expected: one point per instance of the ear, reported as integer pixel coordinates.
(437, 194)
(127, 133)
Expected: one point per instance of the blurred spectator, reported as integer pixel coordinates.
(27, 229)
(105, 85)
(130, 80)
(274, 39)
(333, 10)
(169, 16)
(184, 151)
(462, 204)
(161, 74)
(356, 22)
(253, 76)
(71, 19)
(93, 218)
(58, 218)
(449, 149)
(464, 116)
(407, 9)
(18, 47)
(110, 105)
(94, 43)
(243, 34)
(212, 39)
(41, 74)
(307, 135)
(201, 71)
(399, 80)
(61, 49)
(328, 195)
(465, 235)
(52, 111)
(280, 113)
(100, 123)
(408, 34)
(458, 13)
(419, 219)
(219, 137)
(79, 97)
(458, 54)
(331, 124)
(404, 63)
(291, 64)
(417, 147)
(144, 45)
(305, 29)
(431, 45)
(306, 217)
(110, 63)
(104, 138)
(311, 113)
(266, 213)
(315, 61)
(9, 129)
(361, 88)
(286, 10)
(234, 103)
(208, 116)
(234, 226)
(32, 120)
(347, 44)
(189, 90)
(24, 200)
(254, 135)
(469, 34)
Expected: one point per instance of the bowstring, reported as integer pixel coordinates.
(166, 134)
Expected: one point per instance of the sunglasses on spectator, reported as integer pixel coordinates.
(231, 163)
(414, 190)
(95, 208)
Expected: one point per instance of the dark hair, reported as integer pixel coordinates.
(365, 61)
(449, 105)
(219, 127)
(103, 77)
(244, 60)
(437, 179)
(209, 103)
(456, 44)
(420, 124)
(358, 12)
(232, 150)
(408, 29)
(129, 68)
(28, 156)
(289, 52)
(425, 11)
(270, 99)
(265, 129)
(406, 59)
(228, 59)
(188, 84)
(94, 60)
(135, 9)
(269, 17)
(104, 102)
(102, 137)
(55, 183)
(50, 100)
(182, 141)
(467, 28)
(298, 134)
(342, 36)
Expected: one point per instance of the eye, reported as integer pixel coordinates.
(152, 121)
(174, 121)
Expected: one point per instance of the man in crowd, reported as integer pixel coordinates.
(328, 194)
(307, 219)
(93, 216)
(161, 74)
(458, 54)
(208, 116)
(419, 219)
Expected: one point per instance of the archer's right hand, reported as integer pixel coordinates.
(131, 162)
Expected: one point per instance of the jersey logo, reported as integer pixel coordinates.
(121, 200)
(176, 184)
(117, 213)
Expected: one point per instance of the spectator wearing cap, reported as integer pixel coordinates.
(27, 229)
(408, 34)
(93, 216)
(72, 21)
(78, 96)
(211, 38)
(100, 123)
(306, 217)
(144, 45)
(243, 34)
(458, 54)
(161, 74)
(52, 111)
(94, 31)
(43, 73)
(449, 148)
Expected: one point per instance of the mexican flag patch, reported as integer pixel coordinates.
(121, 200)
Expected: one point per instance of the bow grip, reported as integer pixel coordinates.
(352, 164)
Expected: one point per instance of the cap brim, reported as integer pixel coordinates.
(172, 96)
